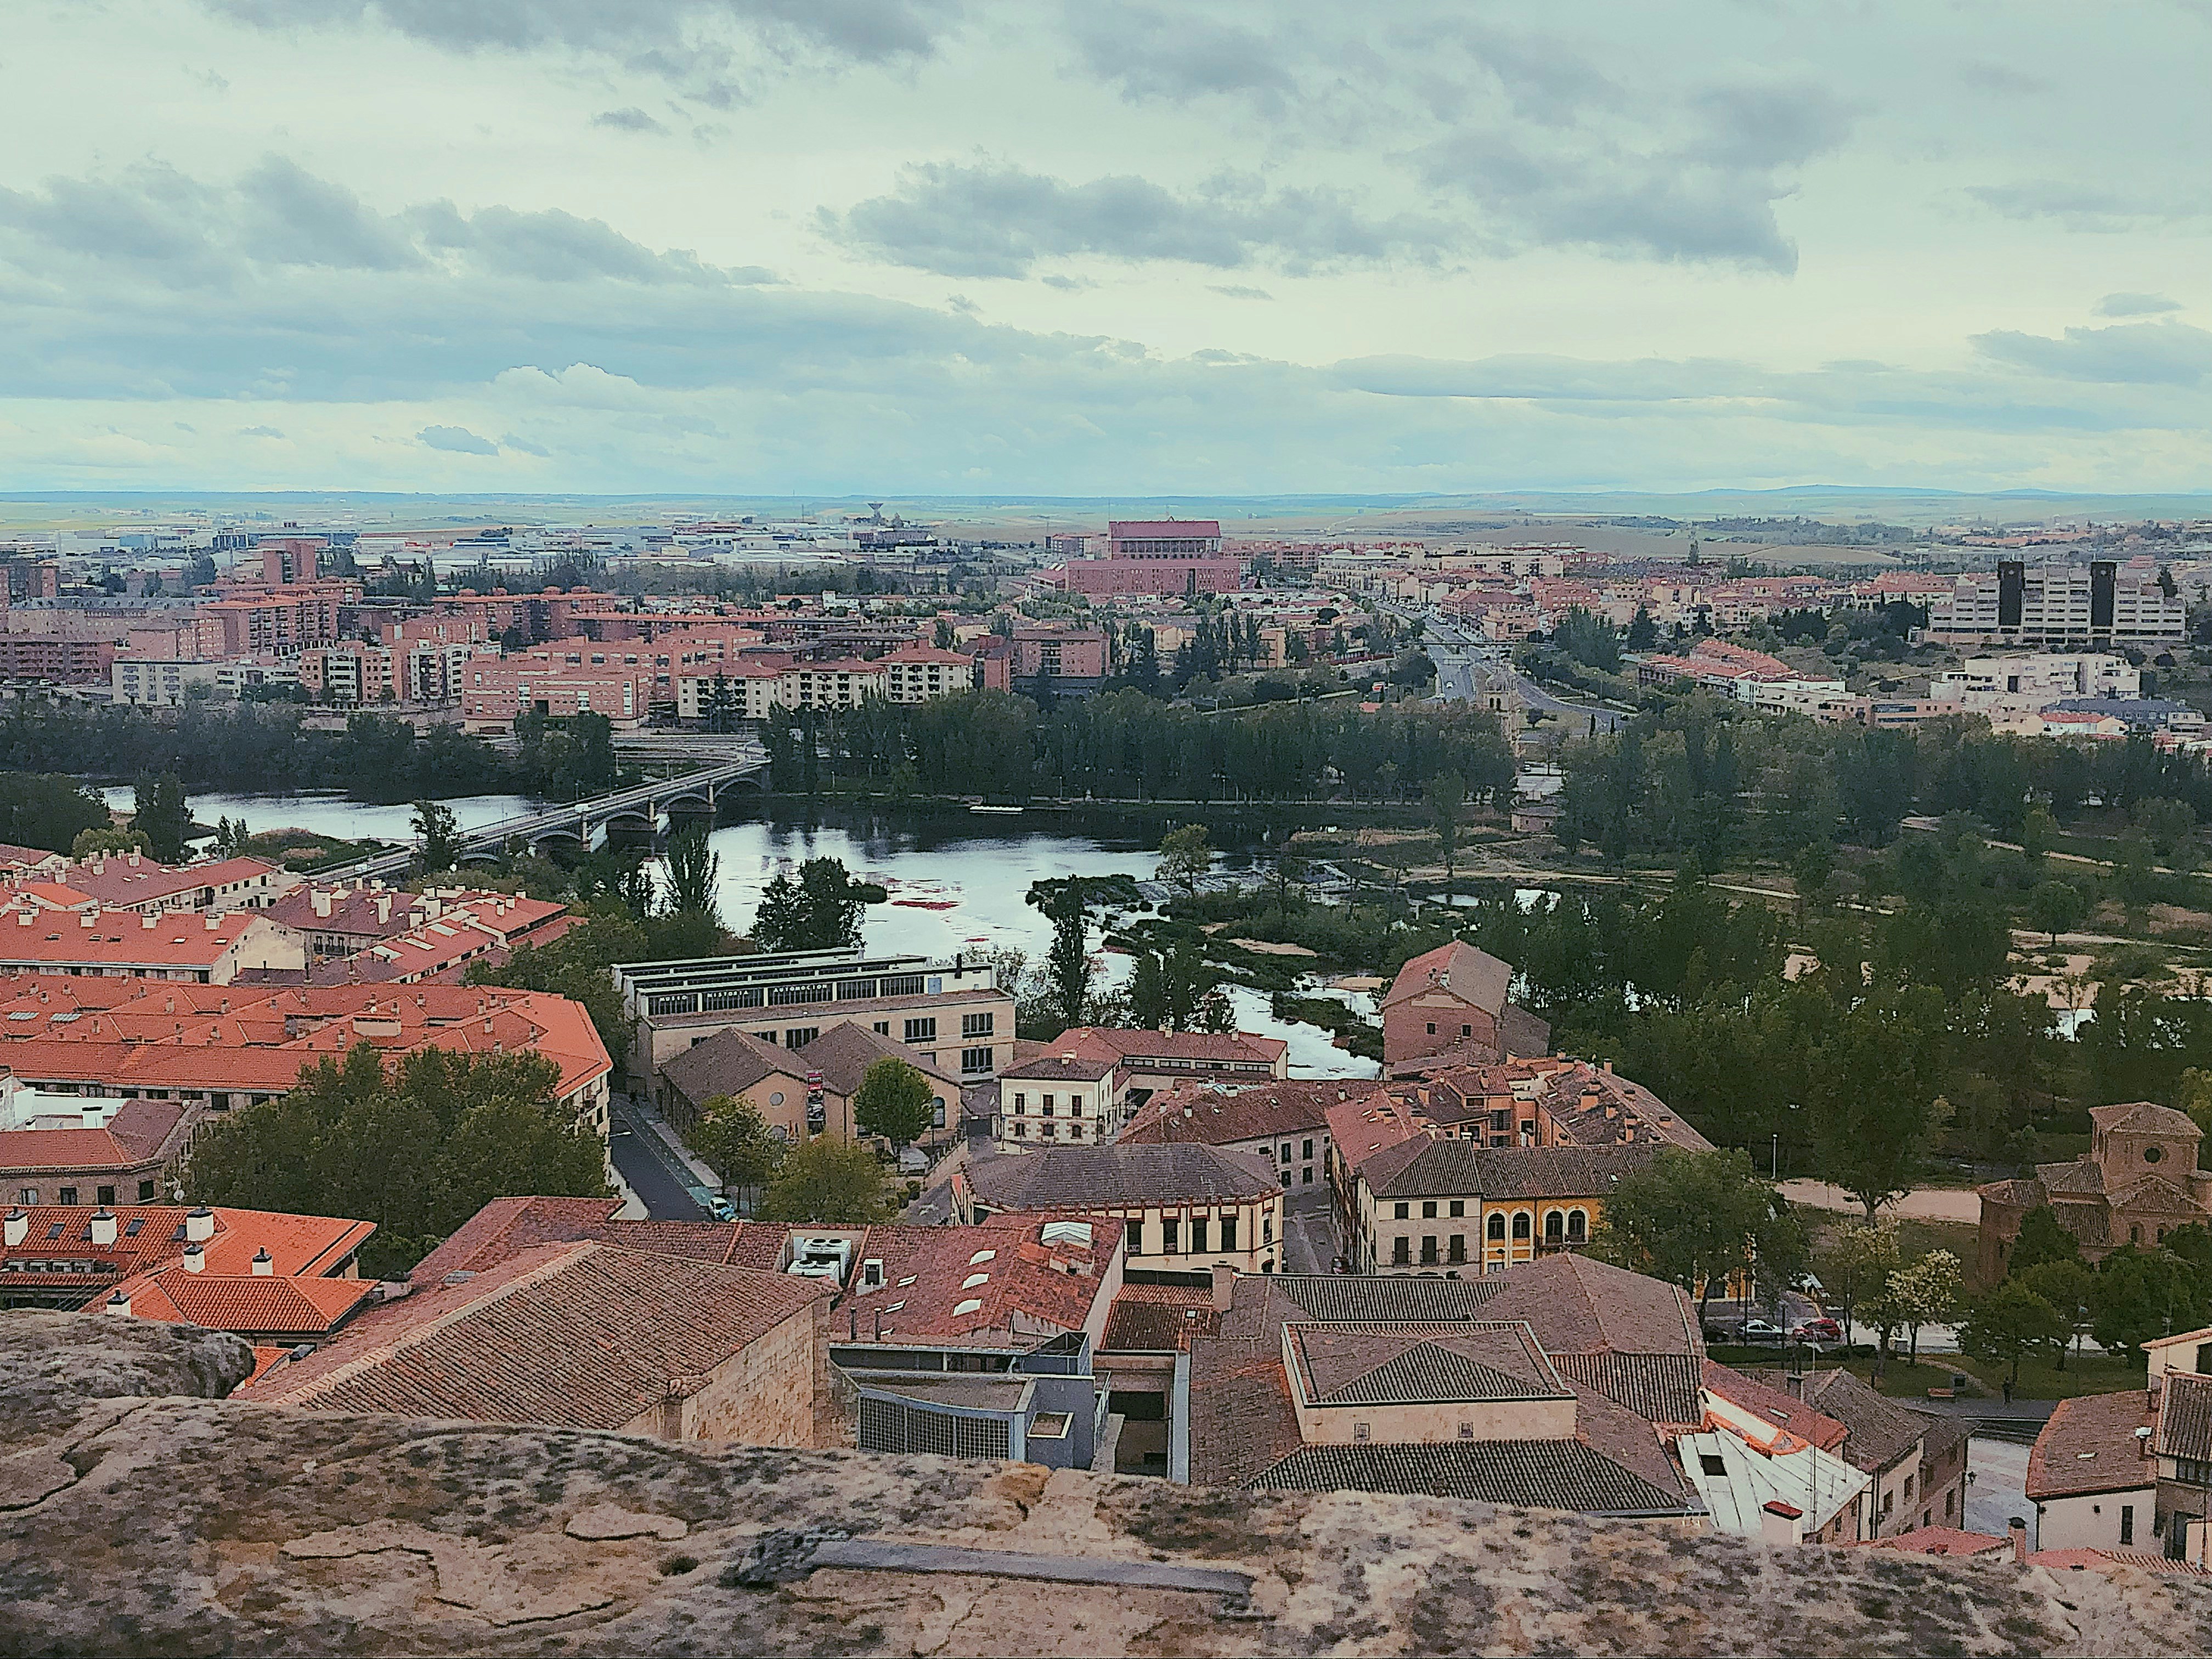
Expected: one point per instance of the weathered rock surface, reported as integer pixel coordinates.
(139, 1514)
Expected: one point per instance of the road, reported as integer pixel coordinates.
(1308, 1231)
(659, 1181)
(1467, 668)
(1997, 1488)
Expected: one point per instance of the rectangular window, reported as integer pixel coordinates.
(1428, 1209)
(921, 1031)
(1428, 1248)
(1401, 1251)
(1075, 1105)
(1432, 1028)
(1399, 1211)
(1458, 1207)
(1047, 1106)
(975, 1060)
(1136, 1229)
(1198, 1231)
(1021, 1100)
(145, 1192)
(1309, 1151)
(1228, 1232)
(1170, 1229)
(66, 1195)
(105, 1196)
(1459, 1247)
(799, 1037)
(977, 1026)
(883, 1028)
(1286, 1152)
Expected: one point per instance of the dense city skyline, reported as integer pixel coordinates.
(939, 248)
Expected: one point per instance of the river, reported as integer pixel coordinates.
(956, 880)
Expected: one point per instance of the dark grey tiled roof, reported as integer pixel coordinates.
(1348, 1298)
(1072, 1177)
(1457, 1168)
(2184, 1417)
(1367, 1365)
(728, 1063)
(1660, 1387)
(1549, 1474)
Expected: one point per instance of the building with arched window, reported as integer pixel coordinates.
(1453, 1207)
(2137, 1182)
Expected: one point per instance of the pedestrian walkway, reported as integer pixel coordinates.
(648, 1116)
(1927, 1204)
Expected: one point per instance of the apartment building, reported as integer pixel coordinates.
(166, 682)
(134, 881)
(1181, 1208)
(1432, 1206)
(72, 1255)
(2033, 679)
(496, 691)
(209, 948)
(950, 1012)
(2057, 603)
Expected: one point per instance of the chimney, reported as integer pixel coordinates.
(1781, 1523)
(119, 1303)
(1224, 1286)
(195, 1259)
(384, 907)
(199, 1224)
(264, 1263)
(133, 856)
(2017, 1528)
(149, 922)
(18, 1227)
(103, 1225)
(320, 899)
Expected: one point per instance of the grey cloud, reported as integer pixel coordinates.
(298, 219)
(1068, 284)
(632, 120)
(999, 221)
(258, 432)
(1239, 291)
(1152, 54)
(2135, 305)
(674, 36)
(2088, 207)
(2127, 354)
(455, 441)
(554, 246)
(510, 441)
(2005, 81)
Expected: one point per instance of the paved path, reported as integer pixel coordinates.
(1309, 1232)
(1929, 1204)
(661, 1181)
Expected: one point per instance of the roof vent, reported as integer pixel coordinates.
(119, 1303)
(199, 1224)
(18, 1227)
(301, 1352)
(103, 1225)
(195, 1258)
(263, 1264)
(968, 1306)
(974, 1279)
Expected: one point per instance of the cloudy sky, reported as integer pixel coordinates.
(809, 246)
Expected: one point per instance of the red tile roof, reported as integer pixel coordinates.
(1219, 1117)
(1009, 1277)
(581, 1335)
(2089, 1446)
(298, 1245)
(1159, 1319)
(297, 1305)
(135, 1134)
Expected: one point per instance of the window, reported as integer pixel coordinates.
(1710, 1463)
(1075, 1132)
(2152, 1154)
(1228, 1232)
(1577, 1225)
(1169, 1230)
(1428, 1209)
(1267, 1230)
(1286, 1152)
(1136, 1237)
(27, 1195)
(1459, 1247)
(1428, 1250)
(921, 1031)
(66, 1195)
(145, 1192)
(1908, 1489)
(1521, 1225)
(104, 1195)
(1075, 1105)
(1458, 1207)
(1305, 1176)
(1021, 1100)
(883, 1028)
(1555, 1227)
(975, 1060)
(1432, 1028)
(1399, 1211)
(977, 1026)
(1047, 1105)
(1497, 1226)
(1401, 1251)
(1198, 1235)
(1021, 1131)
(1360, 1433)
(1467, 1030)
(1308, 1151)
(801, 1036)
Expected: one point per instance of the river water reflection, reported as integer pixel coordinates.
(957, 881)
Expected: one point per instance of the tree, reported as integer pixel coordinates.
(162, 815)
(735, 1142)
(2038, 832)
(1185, 855)
(2011, 1322)
(829, 1182)
(94, 843)
(1871, 1095)
(2069, 1286)
(2170, 827)
(692, 870)
(944, 637)
(231, 837)
(1286, 876)
(2194, 1097)
(1855, 1271)
(1695, 1219)
(2042, 1238)
(1927, 1292)
(820, 910)
(53, 813)
(895, 1100)
(1642, 632)
(2055, 906)
(418, 1151)
(1447, 799)
(2144, 1295)
(438, 831)
(1174, 989)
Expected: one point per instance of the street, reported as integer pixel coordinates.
(1309, 1232)
(661, 1183)
(1466, 666)
(1997, 1489)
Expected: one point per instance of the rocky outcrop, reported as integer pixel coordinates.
(141, 1514)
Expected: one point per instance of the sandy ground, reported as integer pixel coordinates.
(1930, 1204)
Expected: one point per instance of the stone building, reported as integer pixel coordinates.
(2137, 1183)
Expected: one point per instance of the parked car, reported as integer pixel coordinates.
(1759, 1330)
(722, 1209)
(1823, 1329)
